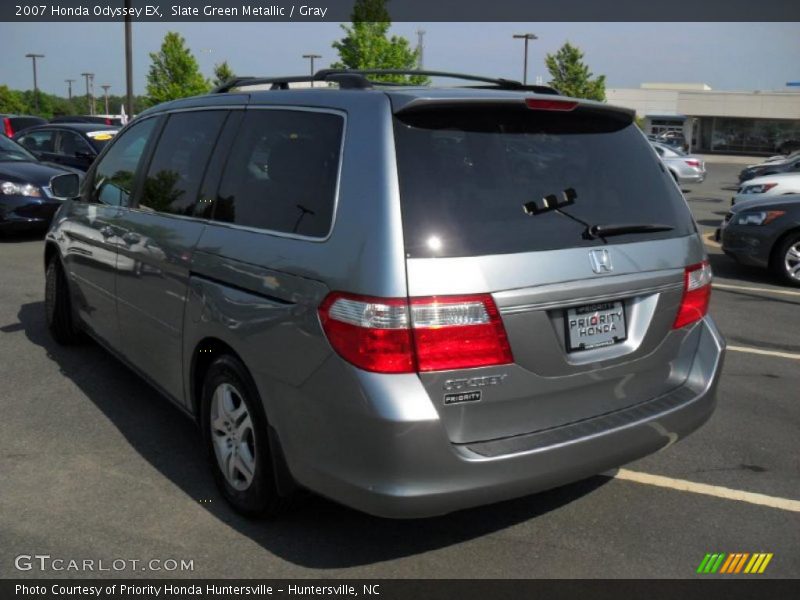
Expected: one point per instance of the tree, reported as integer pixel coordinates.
(572, 77)
(11, 101)
(222, 73)
(367, 44)
(174, 72)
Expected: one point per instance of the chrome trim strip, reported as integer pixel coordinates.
(522, 308)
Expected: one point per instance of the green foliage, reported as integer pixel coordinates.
(50, 105)
(11, 101)
(174, 72)
(367, 44)
(222, 73)
(572, 77)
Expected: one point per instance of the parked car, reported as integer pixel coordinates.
(767, 186)
(788, 146)
(354, 292)
(766, 234)
(674, 139)
(26, 200)
(13, 124)
(99, 119)
(790, 165)
(72, 144)
(684, 168)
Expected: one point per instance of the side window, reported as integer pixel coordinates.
(38, 141)
(660, 151)
(180, 160)
(71, 144)
(113, 177)
(281, 173)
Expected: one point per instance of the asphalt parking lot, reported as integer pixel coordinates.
(95, 465)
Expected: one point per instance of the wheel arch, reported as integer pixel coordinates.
(773, 253)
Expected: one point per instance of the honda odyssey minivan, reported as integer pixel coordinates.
(410, 300)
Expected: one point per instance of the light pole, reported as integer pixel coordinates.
(69, 87)
(89, 99)
(105, 93)
(33, 57)
(311, 57)
(128, 62)
(527, 37)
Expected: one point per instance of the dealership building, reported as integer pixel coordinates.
(756, 122)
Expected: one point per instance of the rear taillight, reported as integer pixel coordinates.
(108, 121)
(393, 335)
(7, 128)
(692, 162)
(537, 104)
(696, 294)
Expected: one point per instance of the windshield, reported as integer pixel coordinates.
(466, 174)
(11, 150)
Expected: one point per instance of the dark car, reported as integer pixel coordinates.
(790, 165)
(26, 201)
(74, 145)
(13, 124)
(101, 120)
(766, 234)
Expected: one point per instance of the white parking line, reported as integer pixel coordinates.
(726, 286)
(708, 490)
(775, 353)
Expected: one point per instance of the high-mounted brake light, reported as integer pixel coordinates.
(394, 335)
(539, 104)
(7, 128)
(696, 294)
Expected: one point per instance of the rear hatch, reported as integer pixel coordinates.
(589, 320)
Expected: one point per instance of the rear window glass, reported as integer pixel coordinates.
(282, 171)
(465, 175)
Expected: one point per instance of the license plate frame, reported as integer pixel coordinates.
(598, 315)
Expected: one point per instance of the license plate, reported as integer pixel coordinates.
(595, 326)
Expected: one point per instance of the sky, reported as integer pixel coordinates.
(726, 56)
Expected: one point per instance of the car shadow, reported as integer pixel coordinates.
(725, 267)
(15, 237)
(317, 533)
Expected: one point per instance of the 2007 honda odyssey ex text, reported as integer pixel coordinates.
(410, 300)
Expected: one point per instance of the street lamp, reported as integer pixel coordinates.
(105, 93)
(128, 61)
(69, 87)
(527, 37)
(33, 57)
(89, 98)
(311, 57)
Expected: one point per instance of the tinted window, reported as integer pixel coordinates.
(113, 178)
(10, 150)
(38, 141)
(281, 173)
(72, 143)
(466, 174)
(180, 160)
(99, 139)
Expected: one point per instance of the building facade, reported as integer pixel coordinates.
(758, 122)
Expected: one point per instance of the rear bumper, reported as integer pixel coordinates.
(401, 464)
(694, 177)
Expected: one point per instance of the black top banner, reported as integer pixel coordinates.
(401, 10)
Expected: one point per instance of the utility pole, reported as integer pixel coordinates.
(311, 57)
(69, 87)
(105, 93)
(527, 37)
(128, 62)
(35, 83)
(421, 47)
(89, 98)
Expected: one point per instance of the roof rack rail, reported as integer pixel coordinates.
(359, 79)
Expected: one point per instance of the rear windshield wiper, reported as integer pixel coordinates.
(593, 232)
(556, 203)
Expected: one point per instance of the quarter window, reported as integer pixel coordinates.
(282, 171)
(114, 175)
(180, 160)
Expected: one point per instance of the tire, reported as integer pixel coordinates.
(59, 316)
(786, 260)
(236, 435)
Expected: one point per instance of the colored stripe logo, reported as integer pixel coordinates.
(735, 563)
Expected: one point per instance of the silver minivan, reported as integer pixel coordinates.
(410, 300)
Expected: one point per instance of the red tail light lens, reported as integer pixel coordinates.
(696, 294)
(108, 121)
(7, 128)
(537, 104)
(692, 162)
(393, 335)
